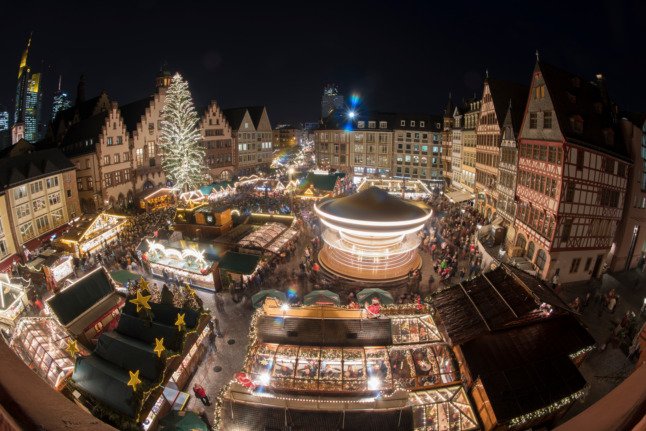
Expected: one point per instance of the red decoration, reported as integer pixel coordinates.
(244, 380)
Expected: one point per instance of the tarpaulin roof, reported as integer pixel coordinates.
(239, 263)
(129, 354)
(146, 332)
(70, 303)
(165, 314)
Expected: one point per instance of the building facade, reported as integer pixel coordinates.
(286, 136)
(629, 246)
(454, 149)
(471, 114)
(217, 139)
(572, 176)
(252, 138)
(35, 206)
(447, 141)
(506, 184)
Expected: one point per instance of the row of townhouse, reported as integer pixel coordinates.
(37, 201)
(562, 168)
(373, 144)
(116, 149)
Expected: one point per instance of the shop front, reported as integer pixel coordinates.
(159, 199)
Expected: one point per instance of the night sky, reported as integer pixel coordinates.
(399, 56)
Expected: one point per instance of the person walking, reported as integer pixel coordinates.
(200, 393)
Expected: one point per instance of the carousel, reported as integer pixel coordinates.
(13, 298)
(371, 236)
(408, 189)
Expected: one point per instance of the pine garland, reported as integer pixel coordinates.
(183, 153)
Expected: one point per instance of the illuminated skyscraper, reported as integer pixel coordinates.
(21, 88)
(4, 118)
(61, 100)
(33, 103)
(331, 100)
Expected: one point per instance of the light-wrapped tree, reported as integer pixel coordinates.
(183, 153)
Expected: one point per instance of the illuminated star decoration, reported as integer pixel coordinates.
(143, 284)
(134, 380)
(72, 348)
(159, 346)
(180, 323)
(141, 301)
(189, 290)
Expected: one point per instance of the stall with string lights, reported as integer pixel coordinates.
(13, 298)
(90, 234)
(182, 260)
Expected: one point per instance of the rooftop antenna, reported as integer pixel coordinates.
(60, 78)
(537, 56)
(487, 73)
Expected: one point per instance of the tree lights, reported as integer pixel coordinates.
(183, 159)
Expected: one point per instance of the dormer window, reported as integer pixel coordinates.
(412, 124)
(372, 124)
(383, 124)
(361, 124)
(422, 124)
(402, 123)
(576, 121)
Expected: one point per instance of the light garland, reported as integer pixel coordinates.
(583, 351)
(545, 411)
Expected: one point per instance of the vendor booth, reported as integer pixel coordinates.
(92, 233)
(88, 307)
(50, 267)
(42, 343)
(408, 189)
(13, 298)
(182, 260)
(203, 222)
(159, 199)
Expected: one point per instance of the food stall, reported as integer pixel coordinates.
(92, 233)
(159, 199)
(446, 408)
(183, 260)
(41, 342)
(13, 298)
(50, 267)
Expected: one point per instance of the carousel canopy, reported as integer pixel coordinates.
(373, 204)
(239, 263)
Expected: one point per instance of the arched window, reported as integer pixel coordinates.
(530, 251)
(520, 241)
(540, 259)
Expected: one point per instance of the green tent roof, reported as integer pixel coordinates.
(325, 182)
(122, 276)
(239, 263)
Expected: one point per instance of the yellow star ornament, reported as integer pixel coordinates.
(141, 301)
(180, 323)
(72, 348)
(134, 380)
(143, 284)
(159, 346)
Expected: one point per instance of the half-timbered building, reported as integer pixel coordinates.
(572, 171)
(495, 101)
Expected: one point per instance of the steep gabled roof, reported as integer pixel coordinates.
(132, 112)
(256, 114)
(82, 137)
(502, 92)
(574, 96)
(234, 116)
(31, 166)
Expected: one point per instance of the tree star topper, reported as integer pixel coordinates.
(159, 346)
(134, 380)
(141, 301)
(180, 323)
(72, 348)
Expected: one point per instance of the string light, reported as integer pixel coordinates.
(545, 411)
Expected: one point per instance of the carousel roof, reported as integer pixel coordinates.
(373, 204)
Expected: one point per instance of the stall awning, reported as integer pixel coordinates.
(239, 263)
(122, 276)
(459, 196)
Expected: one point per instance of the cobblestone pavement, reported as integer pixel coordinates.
(605, 369)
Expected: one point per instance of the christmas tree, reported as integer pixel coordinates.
(183, 154)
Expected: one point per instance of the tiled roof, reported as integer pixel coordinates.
(82, 137)
(504, 92)
(132, 112)
(31, 166)
(234, 116)
(338, 120)
(573, 96)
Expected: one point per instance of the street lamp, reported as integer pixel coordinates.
(351, 114)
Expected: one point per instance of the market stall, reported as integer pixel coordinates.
(92, 233)
(278, 244)
(407, 189)
(50, 268)
(262, 236)
(13, 298)
(183, 260)
(42, 343)
(445, 408)
(159, 199)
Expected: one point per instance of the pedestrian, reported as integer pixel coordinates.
(555, 280)
(200, 393)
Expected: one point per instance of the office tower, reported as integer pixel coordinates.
(331, 100)
(62, 100)
(33, 104)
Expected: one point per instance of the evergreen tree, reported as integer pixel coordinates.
(183, 153)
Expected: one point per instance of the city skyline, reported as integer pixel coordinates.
(425, 52)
